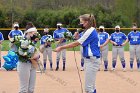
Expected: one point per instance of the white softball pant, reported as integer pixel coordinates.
(63, 53)
(134, 51)
(47, 52)
(27, 77)
(91, 67)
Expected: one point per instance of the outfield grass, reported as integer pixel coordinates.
(5, 46)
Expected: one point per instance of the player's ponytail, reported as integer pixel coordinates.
(90, 18)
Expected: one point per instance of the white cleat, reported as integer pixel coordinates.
(82, 69)
(124, 69)
(113, 69)
(3, 69)
(131, 69)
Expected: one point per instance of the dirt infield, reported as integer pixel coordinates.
(68, 81)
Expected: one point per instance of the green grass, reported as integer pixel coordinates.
(5, 46)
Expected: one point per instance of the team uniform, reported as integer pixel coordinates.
(47, 50)
(1, 39)
(134, 48)
(118, 49)
(58, 34)
(104, 36)
(26, 69)
(91, 53)
(12, 34)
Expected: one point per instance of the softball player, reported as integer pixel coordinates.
(91, 51)
(58, 35)
(26, 70)
(104, 39)
(11, 35)
(118, 39)
(134, 48)
(46, 48)
(1, 39)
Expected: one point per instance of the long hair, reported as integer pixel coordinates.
(90, 18)
(29, 25)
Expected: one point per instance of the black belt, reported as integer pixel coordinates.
(134, 44)
(93, 56)
(117, 45)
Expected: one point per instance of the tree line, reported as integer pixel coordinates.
(48, 12)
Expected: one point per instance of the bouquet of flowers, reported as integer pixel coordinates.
(16, 40)
(68, 36)
(25, 50)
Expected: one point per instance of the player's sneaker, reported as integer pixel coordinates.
(113, 69)
(56, 68)
(105, 69)
(139, 69)
(131, 69)
(3, 69)
(63, 68)
(51, 69)
(82, 69)
(124, 69)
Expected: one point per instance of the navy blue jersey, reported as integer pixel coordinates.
(119, 38)
(134, 38)
(90, 43)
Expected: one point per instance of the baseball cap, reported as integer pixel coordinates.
(101, 27)
(16, 25)
(59, 24)
(117, 26)
(46, 29)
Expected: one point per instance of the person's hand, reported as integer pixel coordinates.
(101, 46)
(58, 49)
(60, 40)
(115, 43)
(123, 44)
(76, 35)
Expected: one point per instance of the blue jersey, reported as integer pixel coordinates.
(44, 38)
(90, 43)
(134, 38)
(1, 36)
(81, 34)
(103, 36)
(59, 33)
(15, 32)
(118, 37)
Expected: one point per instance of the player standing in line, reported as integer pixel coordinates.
(11, 35)
(118, 39)
(58, 35)
(104, 39)
(1, 39)
(134, 48)
(91, 51)
(46, 48)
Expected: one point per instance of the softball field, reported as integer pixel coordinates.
(68, 81)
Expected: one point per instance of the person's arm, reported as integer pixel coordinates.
(70, 45)
(123, 44)
(126, 40)
(113, 42)
(107, 41)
